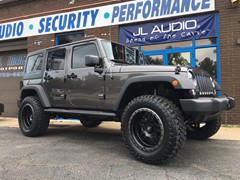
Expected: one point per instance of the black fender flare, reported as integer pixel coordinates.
(40, 92)
(183, 83)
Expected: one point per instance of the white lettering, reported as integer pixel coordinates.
(156, 29)
(11, 68)
(140, 32)
(190, 24)
(175, 27)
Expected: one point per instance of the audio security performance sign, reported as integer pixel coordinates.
(122, 13)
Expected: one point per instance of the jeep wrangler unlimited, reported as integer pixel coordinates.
(97, 80)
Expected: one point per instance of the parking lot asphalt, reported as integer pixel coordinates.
(71, 151)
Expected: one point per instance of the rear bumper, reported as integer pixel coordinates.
(207, 106)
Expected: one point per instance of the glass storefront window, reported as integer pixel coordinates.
(178, 58)
(167, 46)
(155, 59)
(201, 42)
(206, 59)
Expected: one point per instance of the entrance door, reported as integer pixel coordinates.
(11, 72)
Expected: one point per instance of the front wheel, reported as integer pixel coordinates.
(32, 119)
(202, 131)
(153, 129)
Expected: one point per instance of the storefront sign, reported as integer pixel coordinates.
(169, 31)
(122, 13)
(13, 67)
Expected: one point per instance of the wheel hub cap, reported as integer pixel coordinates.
(147, 127)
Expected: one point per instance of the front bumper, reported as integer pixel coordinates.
(206, 106)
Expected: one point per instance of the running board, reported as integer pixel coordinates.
(80, 112)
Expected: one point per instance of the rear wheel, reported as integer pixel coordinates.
(90, 122)
(204, 130)
(32, 119)
(153, 129)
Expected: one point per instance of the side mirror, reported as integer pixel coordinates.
(92, 61)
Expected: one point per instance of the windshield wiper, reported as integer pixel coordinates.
(120, 61)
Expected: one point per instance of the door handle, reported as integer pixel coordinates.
(48, 77)
(72, 76)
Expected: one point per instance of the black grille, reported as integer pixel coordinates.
(204, 83)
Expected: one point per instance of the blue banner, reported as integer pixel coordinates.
(181, 29)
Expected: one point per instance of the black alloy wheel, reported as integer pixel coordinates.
(153, 129)
(147, 128)
(27, 115)
(32, 119)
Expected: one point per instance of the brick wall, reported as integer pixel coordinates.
(109, 33)
(40, 42)
(230, 56)
(229, 33)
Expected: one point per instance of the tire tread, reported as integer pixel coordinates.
(40, 124)
(175, 122)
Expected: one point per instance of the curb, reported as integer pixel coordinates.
(226, 132)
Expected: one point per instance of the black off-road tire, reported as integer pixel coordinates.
(209, 128)
(90, 122)
(32, 119)
(153, 129)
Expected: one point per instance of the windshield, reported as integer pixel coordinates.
(123, 54)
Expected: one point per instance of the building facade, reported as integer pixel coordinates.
(192, 33)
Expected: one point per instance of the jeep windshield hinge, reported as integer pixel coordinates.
(98, 69)
(177, 69)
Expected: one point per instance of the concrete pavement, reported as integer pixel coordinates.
(225, 133)
(71, 151)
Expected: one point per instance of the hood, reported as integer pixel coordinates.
(150, 68)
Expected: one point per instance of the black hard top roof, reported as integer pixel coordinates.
(64, 45)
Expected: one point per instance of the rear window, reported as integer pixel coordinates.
(56, 60)
(34, 63)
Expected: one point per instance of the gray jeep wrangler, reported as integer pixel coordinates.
(97, 80)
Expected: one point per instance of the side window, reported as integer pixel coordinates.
(56, 60)
(79, 53)
(34, 63)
